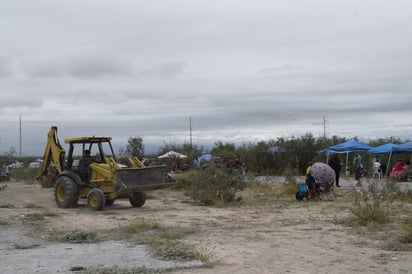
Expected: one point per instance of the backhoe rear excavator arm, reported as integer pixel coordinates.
(135, 162)
(55, 153)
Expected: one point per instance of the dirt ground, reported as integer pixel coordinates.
(292, 237)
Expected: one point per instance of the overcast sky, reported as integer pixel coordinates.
(242, 70)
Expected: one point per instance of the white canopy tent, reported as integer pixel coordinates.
(172, 154)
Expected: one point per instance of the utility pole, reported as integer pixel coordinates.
(20, 136)
(325, 124)
(190, 129)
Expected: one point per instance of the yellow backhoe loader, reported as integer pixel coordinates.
(91, 172)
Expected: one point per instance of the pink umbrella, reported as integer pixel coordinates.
(323, 173)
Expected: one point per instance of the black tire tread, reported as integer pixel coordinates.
(71, 191)
(101, 201)
(137, 199)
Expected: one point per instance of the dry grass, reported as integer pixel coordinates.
(171, 242)
(38, 217)
(76, 237)
(406, 231)
(163, 241)
(380, 213)
(117, 270)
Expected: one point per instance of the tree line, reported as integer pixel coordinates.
(291, 154)
(273, 157)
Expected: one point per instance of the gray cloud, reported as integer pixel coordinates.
(83, 67)
(5, 67)
(164, 70)
(254, 70)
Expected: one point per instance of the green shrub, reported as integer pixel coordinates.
(211, 187)
(25, 174)
(141, 225)
(117, 270)
(372, 204)
(76, 237)
(38, 216)
(184, 180)
(175, 233)
(288, 189)
(173, 250)
(290, 174)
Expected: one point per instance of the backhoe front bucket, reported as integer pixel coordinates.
(142, 179)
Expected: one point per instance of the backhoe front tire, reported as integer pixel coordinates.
(96, 199)
(137, 199)
(66, 192)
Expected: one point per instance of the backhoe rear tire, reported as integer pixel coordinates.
(66, 192)
(96, 199)
(137, 199)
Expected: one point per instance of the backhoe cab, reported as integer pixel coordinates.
(91, 172)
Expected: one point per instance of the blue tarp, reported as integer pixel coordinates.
(276, 149)
(351, 145)
(383, 149)
(407, 147)
(204, 158)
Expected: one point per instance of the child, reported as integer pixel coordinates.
(310, 181)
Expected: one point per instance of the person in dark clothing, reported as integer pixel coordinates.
(336, 165)
(358, 167)
(310, 182)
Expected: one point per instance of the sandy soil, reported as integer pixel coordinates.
(292, 237)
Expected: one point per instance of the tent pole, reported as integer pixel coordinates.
(347, 159)
(389, 161)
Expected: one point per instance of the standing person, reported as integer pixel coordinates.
(357, 166)
(244, 169)
(86, 161)
(336, 165)
(399, 171)
(377, 171)
(377, 160)
(174, 166)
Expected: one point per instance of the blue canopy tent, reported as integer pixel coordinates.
(350, 146)
(407, 147)
(383, 149)
(329, 152)
(402, 148)
(390, 149)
